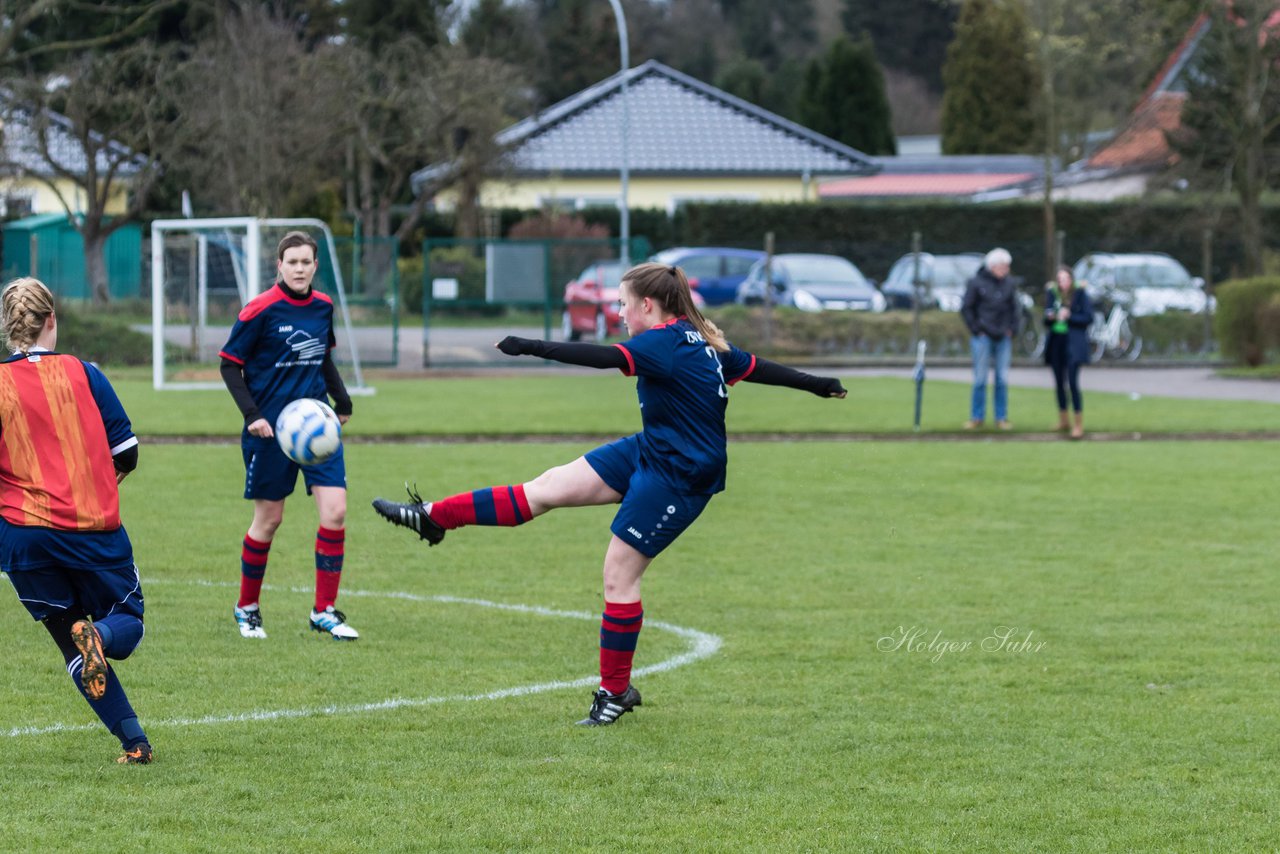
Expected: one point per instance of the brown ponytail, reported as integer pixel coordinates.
(25, 306)
(667, 285)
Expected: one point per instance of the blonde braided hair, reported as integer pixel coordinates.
(25, 306)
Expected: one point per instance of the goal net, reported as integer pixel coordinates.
(204, 270)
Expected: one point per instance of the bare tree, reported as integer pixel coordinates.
(21, 22)
(258, 118)
(94, 148)
(411, 107)
(1230, 131)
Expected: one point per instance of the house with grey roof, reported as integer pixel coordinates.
(28, 179)
(685, 141)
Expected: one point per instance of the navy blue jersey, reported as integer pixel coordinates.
(683, 390)
(280, 341)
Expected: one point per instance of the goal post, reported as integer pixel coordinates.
(204, 270)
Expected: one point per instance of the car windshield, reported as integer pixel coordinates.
(1151, 273)
(904, 269)
(822, 271)
(952, 273)
(608, 273)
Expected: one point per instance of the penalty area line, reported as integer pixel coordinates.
(700, 645)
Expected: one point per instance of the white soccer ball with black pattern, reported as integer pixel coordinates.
(309, 431)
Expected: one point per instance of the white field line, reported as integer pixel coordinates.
(701, 645)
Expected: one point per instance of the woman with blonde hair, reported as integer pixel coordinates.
(65, 445)
(663, 476)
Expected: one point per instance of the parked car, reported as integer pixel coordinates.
(1143, 282)
(942, 277)
(812, 283)
(714, 271)
(591, 302)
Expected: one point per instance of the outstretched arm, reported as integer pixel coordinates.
(772, 373)
(587, 355)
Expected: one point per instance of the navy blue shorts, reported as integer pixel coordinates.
(271, 476)
(52, 590)
(652, 514)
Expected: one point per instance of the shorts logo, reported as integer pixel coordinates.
(633, 532)
(671, 508)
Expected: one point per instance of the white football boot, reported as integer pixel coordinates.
(334, 622)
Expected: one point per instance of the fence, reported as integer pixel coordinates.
(518, 285)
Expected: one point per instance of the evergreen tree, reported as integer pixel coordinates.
(990, 80)
(773, 32)
(745, 78)
(581, 46)
(501, 31)
(843, 97)
(1230, 132)
(909, 35)
(378, 23)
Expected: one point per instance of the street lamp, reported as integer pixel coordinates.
(626, 119)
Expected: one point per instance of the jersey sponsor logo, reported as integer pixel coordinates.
(286, 328)
(633, 532)
(694, 337)
(305, 346)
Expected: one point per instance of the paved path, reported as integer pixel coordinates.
(454, 349)
(1201, 383)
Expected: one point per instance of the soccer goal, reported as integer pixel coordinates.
(204, 270)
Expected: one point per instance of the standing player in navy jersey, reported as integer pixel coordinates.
(280, 350)
(65, 445)
(663, 476)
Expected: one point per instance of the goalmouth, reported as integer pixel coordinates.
(204, 270)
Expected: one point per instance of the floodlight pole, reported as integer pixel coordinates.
(626, 121)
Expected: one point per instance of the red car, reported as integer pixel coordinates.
(591, 302)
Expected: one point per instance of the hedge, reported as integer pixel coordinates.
(840, 333)
(1247, 321)
(104, 338)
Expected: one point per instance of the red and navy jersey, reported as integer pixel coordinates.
(60, 424)
(683, 390)
(280, 341)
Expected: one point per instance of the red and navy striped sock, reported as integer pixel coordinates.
(330, 546)
(619, 630)
(497, 505)
(253, 566)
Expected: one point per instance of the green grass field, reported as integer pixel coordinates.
(605, 403)
(860, 698)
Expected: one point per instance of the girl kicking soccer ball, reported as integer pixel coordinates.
(663, 476)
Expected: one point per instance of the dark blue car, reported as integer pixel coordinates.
(715, 271)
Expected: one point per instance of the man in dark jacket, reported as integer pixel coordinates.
(991, 312)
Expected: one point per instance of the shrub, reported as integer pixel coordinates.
(1244, 322)
(840, 333)
(411, 271)
(553, 226)
(1174, 333)
(103, 338)
(458, 262)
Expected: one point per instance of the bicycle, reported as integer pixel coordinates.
(1111, 336)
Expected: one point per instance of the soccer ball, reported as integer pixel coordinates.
(308, 431)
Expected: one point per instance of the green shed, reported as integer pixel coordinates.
(48, 247)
